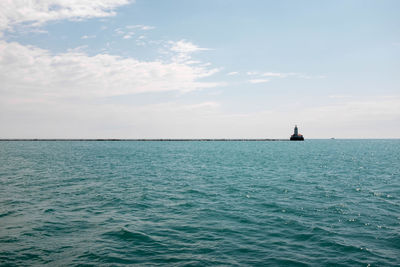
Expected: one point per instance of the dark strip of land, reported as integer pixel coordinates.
(101, 139)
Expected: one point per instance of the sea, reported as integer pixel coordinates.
(198, 203)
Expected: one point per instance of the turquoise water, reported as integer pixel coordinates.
(318, 202)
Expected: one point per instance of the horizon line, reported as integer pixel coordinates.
(182, 139)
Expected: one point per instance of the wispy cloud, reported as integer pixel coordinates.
(132, 29)
(119, 31)
(271, 74)
(140, 27)
(78, 49)
(88, 36)
(255, 81)
(129, 35)
(276, 74)
(232, 73)
(185, 47)
(259, 75)
(252, 73)
(183, 50)
(309, 77)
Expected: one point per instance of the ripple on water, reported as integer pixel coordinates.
(200, 203)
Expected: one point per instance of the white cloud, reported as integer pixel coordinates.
(78, 49)
(146, 28)
(183, 50)
(284, 75)
(128, 35)
(119, 31)
(251, 73)
(38, 12)
(31, 71)
(141, 27)
(269, 74)
(308, 77)
(185, 47)
(275, 74)
(88, 36)
(232, 73)
(255, 81)
(68, 94)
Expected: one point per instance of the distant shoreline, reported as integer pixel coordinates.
(161, 139)
(182, 139)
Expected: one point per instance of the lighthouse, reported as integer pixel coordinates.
(296, 136)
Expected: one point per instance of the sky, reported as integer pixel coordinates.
(199, 69)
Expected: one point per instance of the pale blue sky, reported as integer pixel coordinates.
(186, 69)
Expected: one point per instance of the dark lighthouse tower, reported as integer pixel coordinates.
(296, 136)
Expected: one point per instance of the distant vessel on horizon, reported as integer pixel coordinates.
(296, 136)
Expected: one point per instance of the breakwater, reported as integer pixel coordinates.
(145, 139)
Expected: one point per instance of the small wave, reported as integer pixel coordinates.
(286, 262)
(6, 213)
(49, 210)
(126, 235)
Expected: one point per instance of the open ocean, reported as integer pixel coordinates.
(312, 203)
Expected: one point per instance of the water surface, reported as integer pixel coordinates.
(312, 203)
